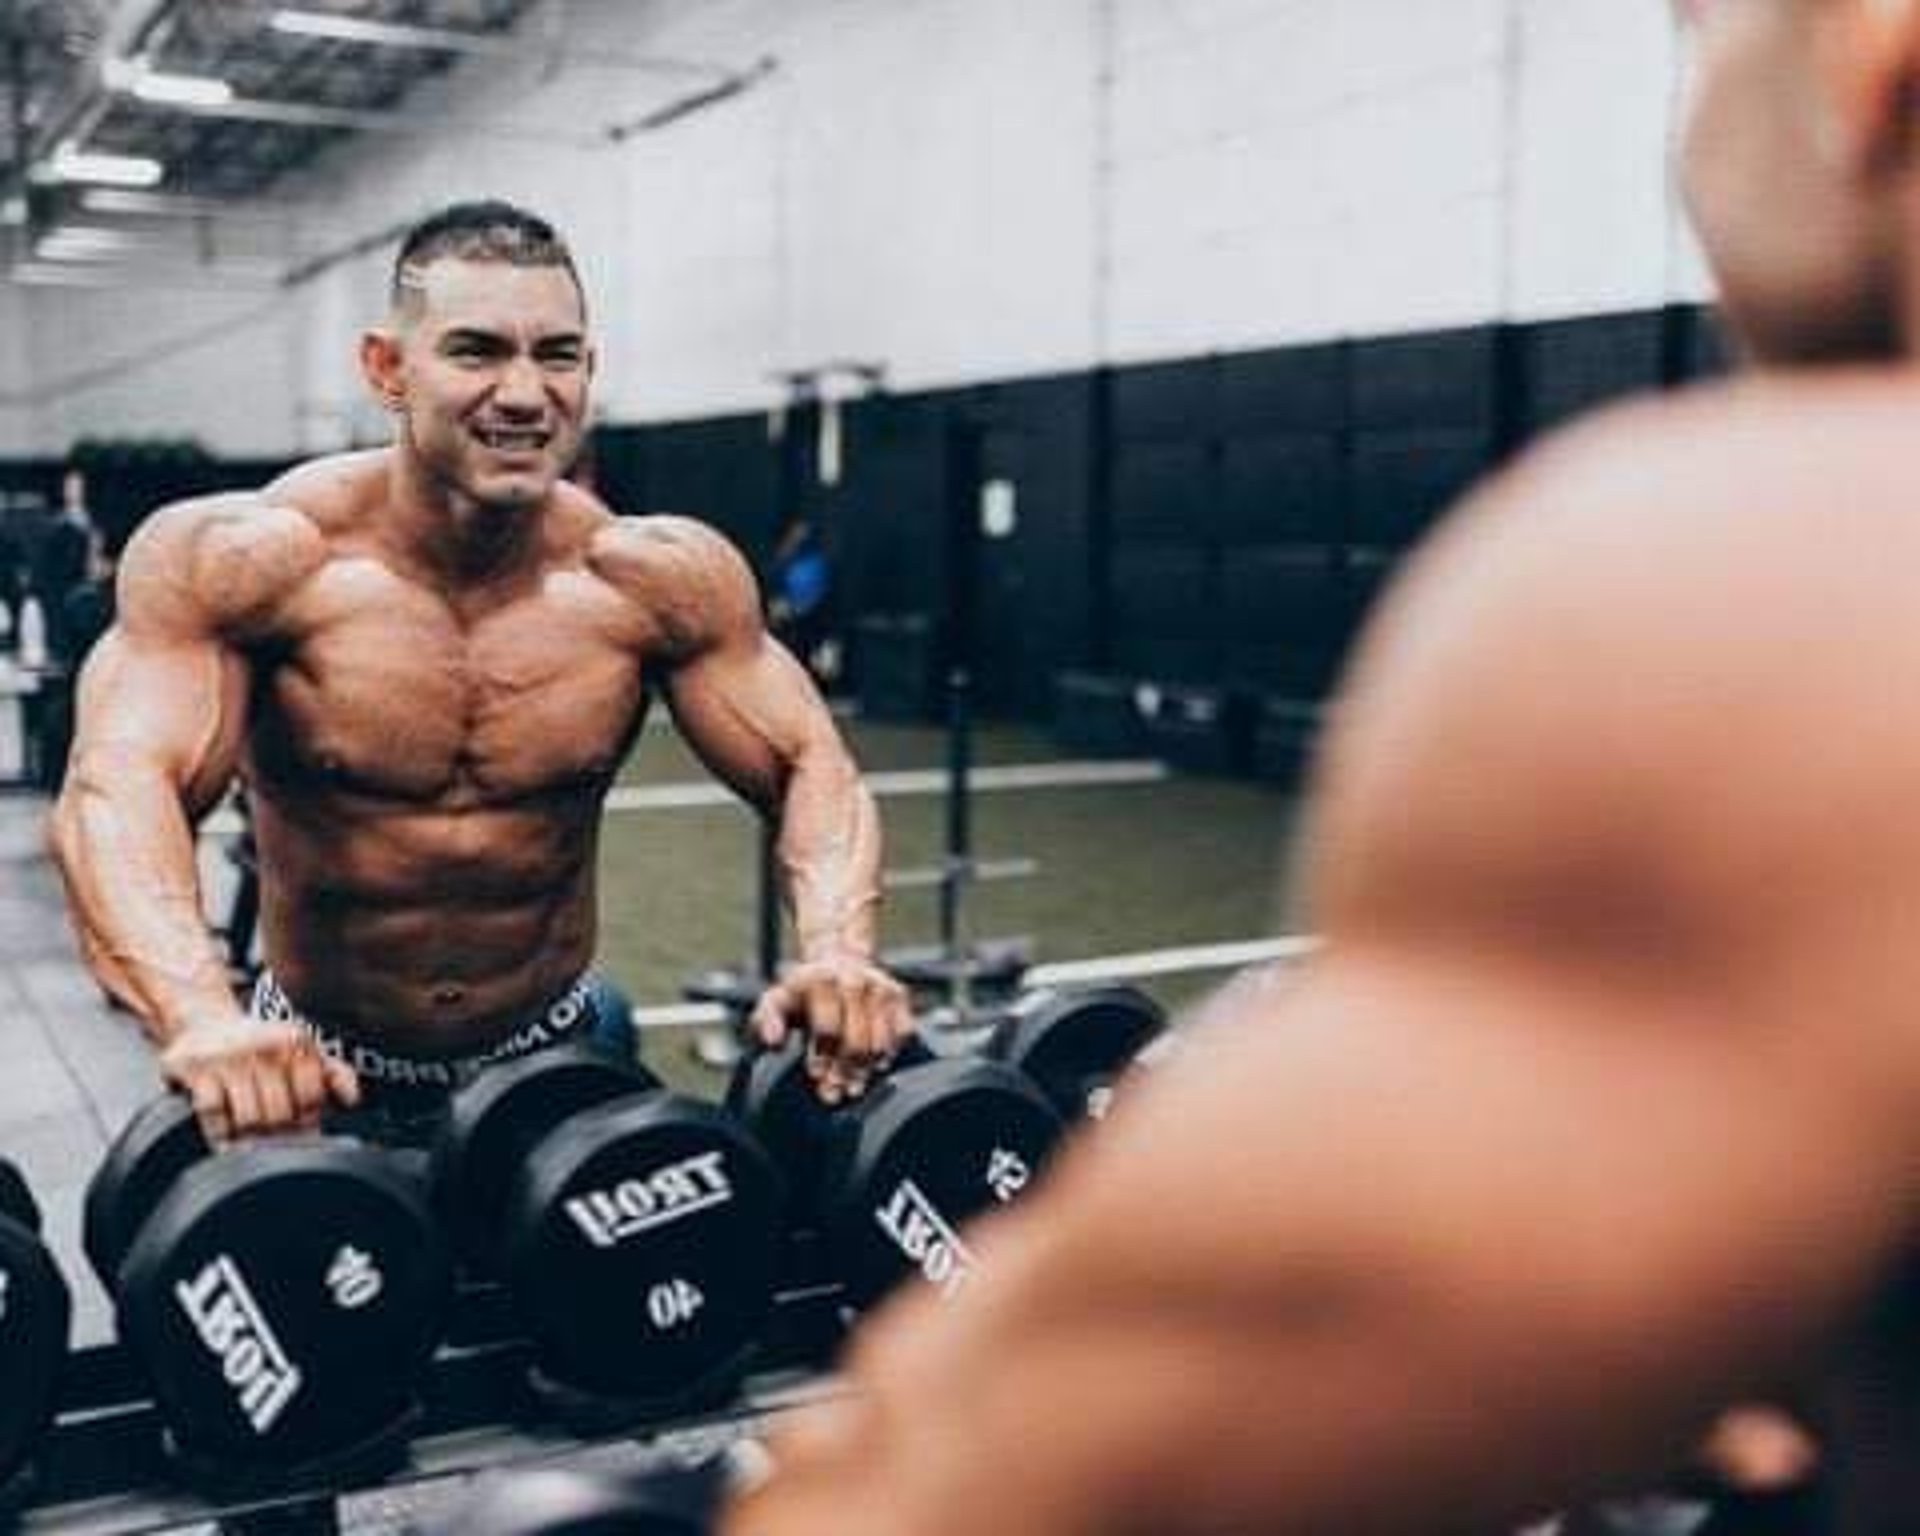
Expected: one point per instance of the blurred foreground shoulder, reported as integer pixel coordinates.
(1647, 613)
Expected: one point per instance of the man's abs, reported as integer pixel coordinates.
(422, 931)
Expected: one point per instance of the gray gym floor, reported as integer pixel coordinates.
(71, 1070)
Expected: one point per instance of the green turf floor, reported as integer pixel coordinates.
(1122, 868)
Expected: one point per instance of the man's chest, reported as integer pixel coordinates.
(378, 686)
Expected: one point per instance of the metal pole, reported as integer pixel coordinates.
(767, 948)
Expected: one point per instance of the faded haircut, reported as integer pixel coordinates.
(488, 230)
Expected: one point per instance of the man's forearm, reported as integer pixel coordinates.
(829, 852)
(125, 851)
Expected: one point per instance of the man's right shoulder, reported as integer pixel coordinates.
(223, 563)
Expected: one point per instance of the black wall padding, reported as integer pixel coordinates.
(1280, 486)
(1282, 593)
(1291, 389)
(1166, 618)
(1569, 366)
(1283, 612)
(1705, 351)
(1440, 379)
(620, 467)
(1034, 587)
(886, 519)
(1161, 491)
(720, 470)
(1163, 399)
(1402, 479)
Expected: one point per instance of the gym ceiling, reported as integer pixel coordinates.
(140, 132)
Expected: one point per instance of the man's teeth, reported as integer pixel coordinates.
(504, 439)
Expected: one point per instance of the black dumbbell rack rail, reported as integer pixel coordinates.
(105, 1465)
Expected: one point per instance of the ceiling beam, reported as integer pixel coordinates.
(125, 203)
(128, 27)
(694, 101)
(296, 114)
(388, 34)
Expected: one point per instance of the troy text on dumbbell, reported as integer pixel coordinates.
(634, 1206)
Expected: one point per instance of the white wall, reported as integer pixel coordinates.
(963, 189)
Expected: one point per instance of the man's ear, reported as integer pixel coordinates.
(1867, 55)
(380, 356)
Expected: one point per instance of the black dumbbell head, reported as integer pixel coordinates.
(494, 1122)
(152, 1150)
(931, 1147)
(768, 1093)
(1075, 1043)
(16, 1199)
(35, 1311)
(285, 1297)
(771, 1094)
(641, 1247)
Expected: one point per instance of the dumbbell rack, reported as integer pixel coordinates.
(105, 1467)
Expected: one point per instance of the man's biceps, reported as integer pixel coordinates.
(182, 725)
(745, 691)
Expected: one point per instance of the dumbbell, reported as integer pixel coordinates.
(1075, 1043)
(889, 1179)
(36, 1310)
(283, 1295)
(636, 1231)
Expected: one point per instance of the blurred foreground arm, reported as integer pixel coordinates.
(1592, 1118)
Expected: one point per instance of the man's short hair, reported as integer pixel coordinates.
(486, 230)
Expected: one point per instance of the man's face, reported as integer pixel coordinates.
(493, 368)
(1797, 233)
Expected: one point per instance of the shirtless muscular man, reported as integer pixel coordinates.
(427, 662)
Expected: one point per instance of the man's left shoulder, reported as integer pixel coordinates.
(685, 573)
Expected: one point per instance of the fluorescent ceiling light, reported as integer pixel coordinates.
(138, 78)
(183, 90)
(314, 24)
(386, 34)
(69, 163)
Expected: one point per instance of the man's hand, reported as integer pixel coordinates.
(855, 1016)
(249, 1078)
